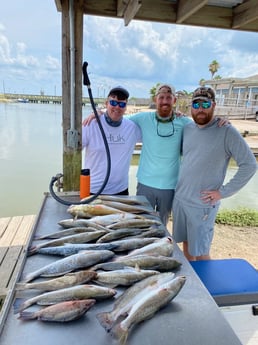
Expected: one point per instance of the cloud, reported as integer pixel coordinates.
(137, 56)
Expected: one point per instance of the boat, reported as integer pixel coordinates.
(22, 100)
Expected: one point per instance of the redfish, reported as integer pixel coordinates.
(60, 312)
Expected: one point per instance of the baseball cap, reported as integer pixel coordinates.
(205, 93)
(166, 87)
(118, 90)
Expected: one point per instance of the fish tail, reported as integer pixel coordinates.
(105, 320)
(32, 250)
(27, 315)
(20, 286)
(18, 305)
(120, 333)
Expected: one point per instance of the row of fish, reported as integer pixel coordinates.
(106, 244)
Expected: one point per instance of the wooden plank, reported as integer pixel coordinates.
(3, 225)
(24, 230)
(10, 231)
(8, 268)
(16, 232)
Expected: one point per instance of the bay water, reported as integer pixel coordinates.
(31, 153)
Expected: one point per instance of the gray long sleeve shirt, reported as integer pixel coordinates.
(206, 155)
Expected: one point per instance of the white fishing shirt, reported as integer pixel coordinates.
(121, 141)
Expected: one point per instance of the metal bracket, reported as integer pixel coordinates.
(72, 138)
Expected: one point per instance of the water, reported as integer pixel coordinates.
(31, 153)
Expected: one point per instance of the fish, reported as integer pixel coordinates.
(74, 248)
(60, 312)
(148, 262)
(66, 232)
(147, 306)
(131, 243)
(71, 263)
(77, 238)
(77, 292)
(121, 233)
(124, 277)
(71, 223)
(129, 297)
(89, 211)
(68, 280)
(133, 223)
(114, 218)
(163, 246)
(130, 208)
(151, 232)
(126, 200)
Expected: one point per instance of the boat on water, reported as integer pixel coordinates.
(22, 100)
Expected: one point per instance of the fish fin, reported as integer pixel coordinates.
(18, 305)
(119, 333)
(27, 315)
(105, 320)
(109, 285)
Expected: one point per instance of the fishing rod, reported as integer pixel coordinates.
(86, 82)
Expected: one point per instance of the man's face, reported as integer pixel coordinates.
(202, 111)
(164, 103)
(115, 107)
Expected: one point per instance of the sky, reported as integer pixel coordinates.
(137, 56)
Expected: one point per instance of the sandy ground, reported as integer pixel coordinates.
(231, 242)
(235, 242)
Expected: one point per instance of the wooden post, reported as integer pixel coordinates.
(72, 155)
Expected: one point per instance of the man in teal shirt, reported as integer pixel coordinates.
(162, 134)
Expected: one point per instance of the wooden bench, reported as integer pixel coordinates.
(15, 233)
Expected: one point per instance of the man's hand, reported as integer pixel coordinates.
(91, 117)
(223, 122)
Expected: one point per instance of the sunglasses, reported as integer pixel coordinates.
(203, 104)
(166, 134)
(115, 103)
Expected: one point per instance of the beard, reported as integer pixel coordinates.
(165, 110)
(202, 118)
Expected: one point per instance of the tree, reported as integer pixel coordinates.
(213, 67)
(153, 90)
(202, 82)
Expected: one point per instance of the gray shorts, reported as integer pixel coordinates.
(160, 199)
(194, 225)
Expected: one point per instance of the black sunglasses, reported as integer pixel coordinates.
(114, 103)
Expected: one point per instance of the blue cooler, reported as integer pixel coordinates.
(229, 281)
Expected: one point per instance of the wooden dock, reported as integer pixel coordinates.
(15, 233)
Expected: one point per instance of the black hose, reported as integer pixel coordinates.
(86, 81)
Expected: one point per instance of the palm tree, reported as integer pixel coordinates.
(213, 67)
(202, 82)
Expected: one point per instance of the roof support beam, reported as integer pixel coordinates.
(188, 7)
(245, 13)
(132, 8)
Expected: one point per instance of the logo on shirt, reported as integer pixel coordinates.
(115, 139)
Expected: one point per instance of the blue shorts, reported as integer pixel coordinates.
(194, 225)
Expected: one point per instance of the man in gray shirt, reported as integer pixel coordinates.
(207, 150)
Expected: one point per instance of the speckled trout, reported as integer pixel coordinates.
(147, 306)
(71, 263)
(131, 295)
